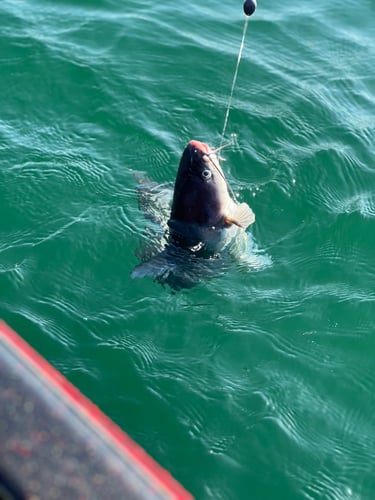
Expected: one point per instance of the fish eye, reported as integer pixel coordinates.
(206, 174)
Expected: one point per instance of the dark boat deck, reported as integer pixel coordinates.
(56, 444)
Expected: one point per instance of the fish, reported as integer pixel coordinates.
(203, 212)
(205, 218)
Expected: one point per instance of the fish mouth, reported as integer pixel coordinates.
(205, 150)
(202, 147)
(202, 151)
(199, 151)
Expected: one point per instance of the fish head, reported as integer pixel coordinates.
(200, 193)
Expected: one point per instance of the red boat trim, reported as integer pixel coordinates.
(121, 441)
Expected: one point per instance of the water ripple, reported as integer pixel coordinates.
(263, 375)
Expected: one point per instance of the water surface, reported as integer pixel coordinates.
(258, 383)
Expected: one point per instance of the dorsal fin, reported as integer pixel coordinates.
(243, 216)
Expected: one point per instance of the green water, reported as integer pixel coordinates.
(258, 383)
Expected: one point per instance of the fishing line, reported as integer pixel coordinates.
(214, 151)
(234, 79)
(249, 8)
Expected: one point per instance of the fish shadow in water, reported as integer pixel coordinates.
(179, 268)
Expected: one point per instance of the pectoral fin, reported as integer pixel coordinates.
(242, 217)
